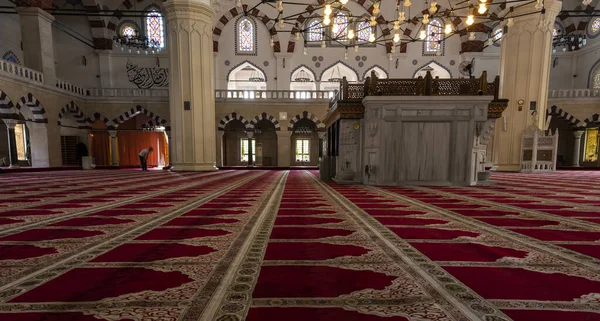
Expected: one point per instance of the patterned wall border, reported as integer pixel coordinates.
(38, 111)
(7, 109)
(154, 121)
(309, 116)
(561, 114)
(265, 116)
(232, 116)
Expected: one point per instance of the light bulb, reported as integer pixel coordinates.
(335, 28)
(138, 52)
(396, 25)
(564, 49)
(433, 8)
(238, 3)
(280, 5)
(407, 3)
(422, 35)
(281, 23)
(373, 21)
(510, 22)
(470, 20)
(305, 51)
(390, 57)
(323, 44)
(350, 34)
(372, 37)
(482, 8)
(425, 19)
(483, 1)
(402, 16)
(344, 1)
(393, 49)
(554, 50)
(376, 10)
(297, 35)
(356, 48)
(346, 54)
(472, 36)
(490, 41)
(396, 37)
(327, 9)
(272, 42)
(326, 21)
(448, 29)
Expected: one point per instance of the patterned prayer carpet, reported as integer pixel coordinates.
(282, 245)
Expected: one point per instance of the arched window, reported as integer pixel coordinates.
(246, 36)
(363, 31)
(594, 27)
(595, 77)
(340, 27)
(155, 28)
(433, 43)
(128, 30)
(315, 31)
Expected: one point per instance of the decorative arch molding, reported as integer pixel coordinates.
(155, 120)
(595, 67)
(594, 119)
(256, 14)
(232, 116)
(38, 111)
(300, 67)
(366, 73)
(246, 62)
(333, 65)
(107, 122)
(310, 9)
(561, 114)
(101, 35)
(73, 109)
(265, 116)
(430, 62)
(7, 109)
(309, 116)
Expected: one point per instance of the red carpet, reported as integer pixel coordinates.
(274, 245)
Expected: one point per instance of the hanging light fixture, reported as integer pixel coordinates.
(280, 5)
(335, 78)
(303, 76)
(255, 76)
(422, 35)
(482, 8)
(448, 29)
(396, 37)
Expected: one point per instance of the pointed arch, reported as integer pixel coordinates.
(268, 117)
(255, 13)
(378, 69)
(107, 122)
(556, 111)
(7, 109)
(595, 118)
(353, 72)
(72, 109)
(155, 119)
(38, 111)
(232, 116)
(432, 62)
(306, 68)
(309, 116)
(243, 64)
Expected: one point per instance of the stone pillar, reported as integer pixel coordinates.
(105, 62)
(191, 87)
(284, 146)
(220, 135)
(12, 142)
(524, 75)
(169, 150)
(577, 147)
(113, 148)
(284, 70)
(38, 46)
(250, 151)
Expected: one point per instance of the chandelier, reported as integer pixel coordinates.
(302, 77)
(304, 130)
(256, 77)
(334, 77)
(570, 42)
(139, 43)
(476, 12)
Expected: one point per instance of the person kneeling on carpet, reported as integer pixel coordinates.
(144, 157)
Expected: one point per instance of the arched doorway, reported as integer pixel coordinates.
(136, 134)
(246, 78)
(236, 144)
(266, 143)
(305, 143)
(74, 135)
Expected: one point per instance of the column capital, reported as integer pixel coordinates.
(578, 133)
(189, 9)
(249, 134)
(283, 133)
(10, 123)
(321, 134)
(112, 133)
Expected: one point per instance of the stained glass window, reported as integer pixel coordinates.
(596, 80)
(245, 36)
(498, 34)
(363, 31)
(595, 26)
(434, 31)
(303, 150)
(128, 31)
(340, 27)
(155, 28)
(315, 31)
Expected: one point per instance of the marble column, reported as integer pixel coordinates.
(577, 147)
(38, 46)
(113, 147)
(284, 146)
(525, 59)
(220, 135)
(12, 142)
(191, 90)
(250, 151)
